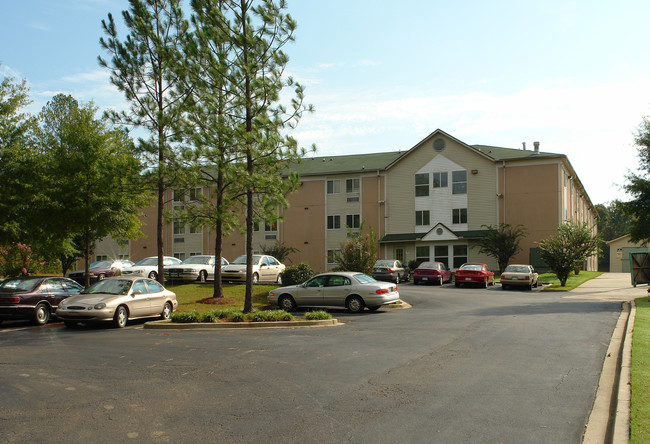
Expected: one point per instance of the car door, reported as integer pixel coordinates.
(156, 294)
(336, 290)
(312, 292)
(265, 269)
(138, 301)
(71, 288)
(274, 268)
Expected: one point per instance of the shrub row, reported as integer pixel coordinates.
(232, 315)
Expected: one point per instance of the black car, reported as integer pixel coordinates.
(390, 270)
(34, 298)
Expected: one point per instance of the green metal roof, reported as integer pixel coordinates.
(310, 166)
(406, 237)
(498, 153)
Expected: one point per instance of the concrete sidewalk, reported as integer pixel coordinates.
(609, 421)
(614, 287)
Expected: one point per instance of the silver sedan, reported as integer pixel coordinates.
(118, 300)
(351, 290)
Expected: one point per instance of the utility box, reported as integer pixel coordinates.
(640, 267)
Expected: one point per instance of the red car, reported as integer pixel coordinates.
(474, 273)
(434, 272)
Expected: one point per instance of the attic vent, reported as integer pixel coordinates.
(439, 144)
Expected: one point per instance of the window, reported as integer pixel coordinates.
(353, 220)
(338, 281)
(460, 255)
(459, 215)
(422, 184)
(441, 254)
(179, 227)
(459, 182)
(271, 226)
(333, 186)
(422, 253)
(256, 225)
(101, 257)
(333, 222)
(422, 217)
(179, 195)
(352, 185)
(195, 194)
(440, 180)
(195, 230)
(331, 256)
(180, 256)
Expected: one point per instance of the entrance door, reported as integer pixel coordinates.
(399, 254)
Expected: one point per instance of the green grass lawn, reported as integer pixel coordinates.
(571, 283)
(640, 375)
(188, 295)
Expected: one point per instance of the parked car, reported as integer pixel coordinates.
(100, 270)
(434, 272)
(351, 290)
(519, 276)
(474, 273)
(390, 270)
(118, 300)
(194, 268)
(265, 268)
(149, 266)
(34, 298)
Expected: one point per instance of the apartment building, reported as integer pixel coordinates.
(431, 202)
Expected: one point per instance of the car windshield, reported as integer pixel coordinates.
(384, 263)
(517, 269)
(429, 265)
(20, 284)
(476, 267)
(364, 278)
(101, 264)
(203, 260)
(109, 286)
(241, 260)
(148, 261)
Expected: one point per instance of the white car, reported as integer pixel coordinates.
(194, 268)
(265, 268)
(148, 267)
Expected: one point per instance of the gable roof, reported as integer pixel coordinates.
(499, 153)
(317, 166)
(405, 237)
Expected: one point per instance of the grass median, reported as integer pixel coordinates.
(640, 375)
(198, 297)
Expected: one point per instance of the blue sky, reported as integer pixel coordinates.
(382, 75)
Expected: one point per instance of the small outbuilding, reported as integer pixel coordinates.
(619, 253)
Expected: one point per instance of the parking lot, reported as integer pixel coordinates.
(462, 365)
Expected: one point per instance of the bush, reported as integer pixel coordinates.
(413, 264)
(297, 274)
(270, 316)
(317, 315)
(186, 317)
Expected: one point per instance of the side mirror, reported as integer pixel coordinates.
(136, 292)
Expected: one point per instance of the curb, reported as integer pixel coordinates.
(610, 414)
(169, 325)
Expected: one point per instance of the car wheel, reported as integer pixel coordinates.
(121, 317)
(287, 303)
(374, 308)
(457, 284)
(70, 324)
(101, 277)
(166, 312)
(415, 282)
(41, 314)
(530, 287)
(355, 304)
(153, 275)
(504, 286)
(203, 276)
(256, 278)
(487, 282)
(279, 280)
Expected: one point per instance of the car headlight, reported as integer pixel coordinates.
(99, 306)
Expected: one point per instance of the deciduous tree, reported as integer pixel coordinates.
(502, 242)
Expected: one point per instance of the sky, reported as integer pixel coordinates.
(383, 75)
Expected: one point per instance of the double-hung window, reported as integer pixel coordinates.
(353, 220)
(333, 186)
(422, 184)
(352, 185)
(459, 182)
(333, 222)
(440, 180)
